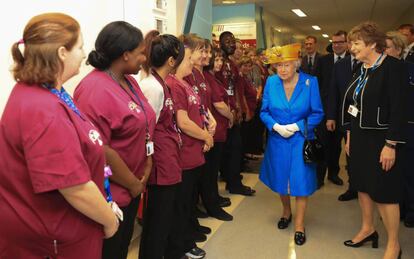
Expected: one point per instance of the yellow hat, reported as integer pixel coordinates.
(281, 54)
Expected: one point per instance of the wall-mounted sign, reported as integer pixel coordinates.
(246, 32)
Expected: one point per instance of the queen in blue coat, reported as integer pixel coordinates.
(290, 99)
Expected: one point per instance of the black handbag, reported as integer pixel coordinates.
(312, 148)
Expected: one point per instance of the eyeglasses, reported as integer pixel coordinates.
(338, 42)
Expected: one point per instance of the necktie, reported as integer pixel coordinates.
(310, 63)
(338, 58)
(354, 64)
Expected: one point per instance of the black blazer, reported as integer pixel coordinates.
(341, 76)
(383, 103)
(324, 74)
(410, 56)
(410, 108)
(304, 65)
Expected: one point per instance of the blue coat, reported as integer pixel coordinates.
(283, 169)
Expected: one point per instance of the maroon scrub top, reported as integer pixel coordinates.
(119, 117)
(201, 87)
(44, 147)
(186, 99)
(166, 169)
(229, 77)
(249, 93)
(218, 94)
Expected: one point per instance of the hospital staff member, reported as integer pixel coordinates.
(111, 97)
(52, 159)
(164, 54)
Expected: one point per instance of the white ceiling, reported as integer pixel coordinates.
(334, 15)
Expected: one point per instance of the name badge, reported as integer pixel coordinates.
(353, 110)
(150, 148)
(230, 92)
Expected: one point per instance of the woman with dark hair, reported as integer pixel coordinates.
(52, 160)
(164, 55)
(374, 115)
(224, 117)
(196, 140)
(112, 99)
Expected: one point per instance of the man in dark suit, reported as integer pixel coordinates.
(342, 74)
(408, 31)
(407, 208)
(311, 59)
(330, 139)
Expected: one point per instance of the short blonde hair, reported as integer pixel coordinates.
(398, 40)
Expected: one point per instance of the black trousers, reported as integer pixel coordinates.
(208, 180)
(231, 160)
(181, 239)
(332, 146)
(158, 221)
(252, 134)
(408, 203)
(117, 246)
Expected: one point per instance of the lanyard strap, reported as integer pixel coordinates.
(363, 78)
(65, 98)
(131, 88)
(203, 111)
(164, 86)
(107, 174)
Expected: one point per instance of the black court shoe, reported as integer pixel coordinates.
(300, 238)
(373, 237)
(284, 222)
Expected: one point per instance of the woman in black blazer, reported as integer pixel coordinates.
(373, 113)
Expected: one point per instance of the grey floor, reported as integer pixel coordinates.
(253, 233)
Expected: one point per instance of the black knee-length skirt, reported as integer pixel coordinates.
(366, 170)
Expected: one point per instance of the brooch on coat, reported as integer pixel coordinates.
(307, 82)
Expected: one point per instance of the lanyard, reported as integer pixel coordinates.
(175, 125)
(363, 79)
(65, 97)
(107, 174)
(131, 88)
(203, 111)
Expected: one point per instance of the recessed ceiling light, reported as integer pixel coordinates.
(316, 27)
(277, 29)
(299, 12)
(325, 35)
(330, 40)
(229, 2)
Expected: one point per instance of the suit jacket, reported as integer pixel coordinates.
(324, 74)
(410, 56)
(341, 76)
(383, 100)
(304, 66)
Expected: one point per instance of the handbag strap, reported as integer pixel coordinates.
(306, 128)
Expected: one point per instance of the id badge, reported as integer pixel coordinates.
(353, 110)
(230, 92)
(149, 147)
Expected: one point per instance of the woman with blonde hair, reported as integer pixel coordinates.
(396, 43)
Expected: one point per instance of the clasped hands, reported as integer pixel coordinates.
(286, 131)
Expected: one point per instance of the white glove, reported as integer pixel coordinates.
(281, 129)
(292, 127)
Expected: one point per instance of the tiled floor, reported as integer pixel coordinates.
(253, 233)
